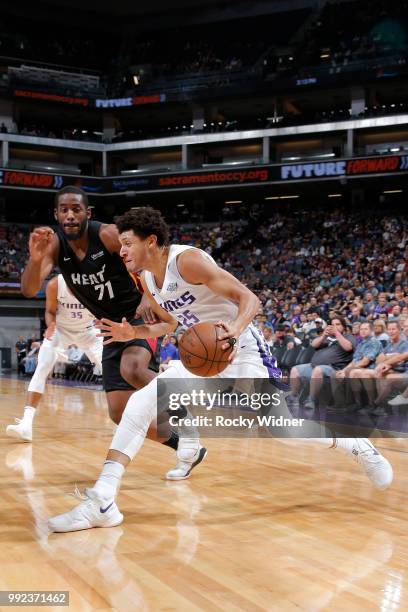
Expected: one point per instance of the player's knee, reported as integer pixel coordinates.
(134, 371)
(135, 420)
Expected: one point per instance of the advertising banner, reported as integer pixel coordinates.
(203, 179)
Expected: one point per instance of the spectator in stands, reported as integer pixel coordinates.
(74, 356)
(21, 349)
(260, 320)
(355, 315)
(29, 363)
(32, 338)
(282, 338)
(334, 351)
(355, 330)
(290, 332)
(317, 330)
(268, 334)
(395, 313)
(74, 353)
(380, 331)
(390, 370)
(382, 306)
(364, 356)
(299, 328)
(366, 351)
(369, 306)
(402, 398)
(168, 352)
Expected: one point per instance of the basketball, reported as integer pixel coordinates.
(200, 350)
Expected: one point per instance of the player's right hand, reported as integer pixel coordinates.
(40, 240)
(230, 334)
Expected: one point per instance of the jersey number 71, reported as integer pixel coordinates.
(101, 289)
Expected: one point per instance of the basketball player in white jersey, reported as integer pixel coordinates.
(186, 286)
(68, 322)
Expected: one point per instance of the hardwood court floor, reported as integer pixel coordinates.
(262, 524)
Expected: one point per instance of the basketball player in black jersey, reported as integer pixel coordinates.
(87, 254)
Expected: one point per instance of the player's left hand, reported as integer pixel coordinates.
(114, 331)
(230, 334)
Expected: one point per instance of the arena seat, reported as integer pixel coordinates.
(305, 355)
(290, 356)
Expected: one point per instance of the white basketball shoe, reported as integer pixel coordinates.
(23, 430)
(91, 512)
(377, 467)
(189, 454)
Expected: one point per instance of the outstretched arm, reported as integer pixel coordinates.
(124, 331)
(43, 248)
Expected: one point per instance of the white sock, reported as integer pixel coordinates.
(29, 412)
(108, 483)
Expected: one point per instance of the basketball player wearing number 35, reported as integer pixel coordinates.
(184, 284)
(68, 322)
(88, 256)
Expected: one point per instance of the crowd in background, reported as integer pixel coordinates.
(309, 268)
(295, 261)
(13, 251)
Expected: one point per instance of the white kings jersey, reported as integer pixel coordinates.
(189, 304)
(71, 314)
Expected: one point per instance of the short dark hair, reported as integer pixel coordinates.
(71, 189)
(341, 319)
(144, 222)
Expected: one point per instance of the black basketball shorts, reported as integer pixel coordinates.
(112, 355)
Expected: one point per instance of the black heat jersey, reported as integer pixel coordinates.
(100, 281)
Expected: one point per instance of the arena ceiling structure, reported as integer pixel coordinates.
(130, 7)
(99, 14)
